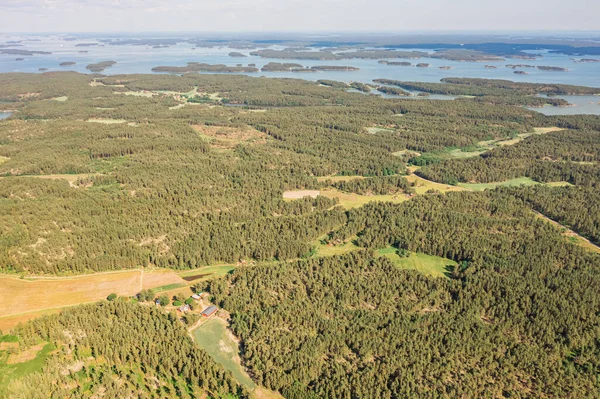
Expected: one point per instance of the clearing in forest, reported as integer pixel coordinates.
(215, 338)
(229, 137)
(297, 194)
(429, 265)
(487, 145)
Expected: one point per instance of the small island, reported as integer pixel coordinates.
(422, 65)
(19, 59)
(586, 60)
(42, 69)
(445, 67)
(491, 67)
(515, 66)
(552, 68)
(396, 63)
(67, 63)
(520, 73)
(12, 51)
(236, 54)
(100, 66)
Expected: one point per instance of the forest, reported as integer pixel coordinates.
(104, 173)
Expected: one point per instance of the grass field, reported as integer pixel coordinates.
(207, 272)
(427, 264)
(14, 367)
(213, 337)
(483, 146)
(322, 250)
(507, 183)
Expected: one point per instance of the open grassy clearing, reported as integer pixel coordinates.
(322, 249)
(374, 130)
(424, 185)
(60, 99)
(297, 194)
(206, 272)
(72, 179)
(214, 338)
(351, 200)
(14, 366)
(487, 145)
(229, 137)
(106, 121)
(525, 181)
(427, 264)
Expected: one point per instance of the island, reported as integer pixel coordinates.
(445, 67)
(296, 55)
(520, 73)
(515, 66)
(100, 66)
(491, 67)
(67, 63)
(202, 67)
(42, 69)
(422, 65)
(586, 60)
(338, 68)
(395, 63)
(552, 68)
(19, 59)
(86, 44)
(236, 54)
(12, 51)
(282, 67)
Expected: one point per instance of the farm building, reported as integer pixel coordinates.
(184, 308)
(196, 296)
(209, 311)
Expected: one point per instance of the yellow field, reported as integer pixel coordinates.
(24, 299)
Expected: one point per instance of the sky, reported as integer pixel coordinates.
(296, 15)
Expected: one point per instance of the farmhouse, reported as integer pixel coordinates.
(184, 308)
(209, 311)
(195, 296)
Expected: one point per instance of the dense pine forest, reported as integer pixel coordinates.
(102, 173)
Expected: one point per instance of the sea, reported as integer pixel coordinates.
(142, 58)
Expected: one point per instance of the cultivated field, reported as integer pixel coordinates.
(23, 299)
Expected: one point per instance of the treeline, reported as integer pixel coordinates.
(119, 349)
(522, 300)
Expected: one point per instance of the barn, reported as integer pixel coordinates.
(209, 311)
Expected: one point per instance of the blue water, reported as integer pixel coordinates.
(4, 115)
(141, 59)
